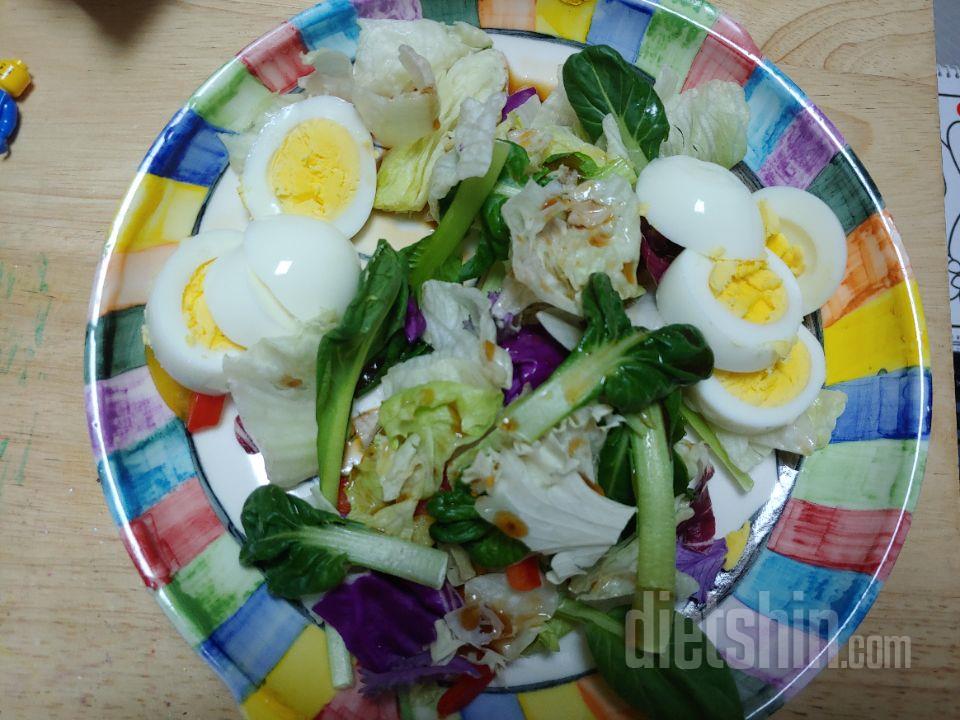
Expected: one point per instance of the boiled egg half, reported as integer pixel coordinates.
(313, 158)
(806, 234)
(701, 206)
(223, 291)
(748, 310)
(757, 402)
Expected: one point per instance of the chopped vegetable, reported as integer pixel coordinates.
(706, 433)
(205, 411)
(702, 563)
(524, 575)
(377, 311)
(464, 691)
(338, 658)
(302, 550)
(535, 355)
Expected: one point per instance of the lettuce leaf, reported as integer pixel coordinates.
(708, 122)
(807, 434)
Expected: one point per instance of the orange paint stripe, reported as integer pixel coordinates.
(874, 264)
(603, 702)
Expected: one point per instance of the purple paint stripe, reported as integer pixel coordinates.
(771, 651)
(390, 9)
(130, 408)
(803, 151)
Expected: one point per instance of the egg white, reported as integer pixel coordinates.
(260, 198)
(811, 225)
(738, 345)
(192, 365)
(732, 413)
(308, 265)
(701, 206)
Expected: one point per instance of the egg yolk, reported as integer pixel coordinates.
(316, 170)
(779, 244)
(749, 289)
(201, 328)
(772, 386)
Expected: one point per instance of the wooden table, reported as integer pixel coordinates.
(79, 637)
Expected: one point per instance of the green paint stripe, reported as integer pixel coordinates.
(840, 186)
(209, 590)
(118, 343)
(673, 37)
(231, 98)
(869, 475)
(451, 10)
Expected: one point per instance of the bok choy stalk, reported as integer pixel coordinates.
(652, 462)
(702, 428)
(614, 363)
(375, 314)
(430, 255)
(302, 550)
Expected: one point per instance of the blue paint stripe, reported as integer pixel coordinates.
(251, 642)
(238, 683)
(887, 405)
(773, 100)
(146, 471)
(188, 150)
(816, 599)
(502, 706)
(332, 24)
(621, 24)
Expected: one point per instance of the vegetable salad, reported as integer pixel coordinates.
(509, 428)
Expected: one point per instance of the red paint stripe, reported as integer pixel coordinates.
(724, 55)
(274, 59)
(172, 533)
(873, 265)
(865, 541)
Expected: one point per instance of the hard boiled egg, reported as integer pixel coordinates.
(757, 402)
(313, 158)
(748, 310)
(701, 206)
(806, 234)
(185, 338)
(308, 265)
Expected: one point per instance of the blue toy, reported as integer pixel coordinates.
(8, 120)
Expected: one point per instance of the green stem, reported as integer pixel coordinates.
(448, 236)
(579, 612)
(702, 428)
(338, 659)
(656, 528)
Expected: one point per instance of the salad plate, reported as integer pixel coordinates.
(800, 556)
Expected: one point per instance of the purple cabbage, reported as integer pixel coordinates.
(516, 100)
(414, 670)
(698, 531)
(243, 437)
(535, 355)
(415, 323)
(385, 620)
(702, 564)
(656, 251)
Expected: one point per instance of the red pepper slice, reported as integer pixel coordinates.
(205, 411)
(464, 691)
(524, 575)
(343, 502)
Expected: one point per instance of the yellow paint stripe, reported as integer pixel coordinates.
(565, 18)
(879, 335)
(299, 685)
(157, 211)
(561, 701)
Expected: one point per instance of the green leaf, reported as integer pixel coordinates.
(459, 531)
(599, 82)
(396, 351)
(375, 314)
(671, 685)
(496, 550)
(453, 506)
(702, 428)
(302, 550)
(613, 466)
(603, 310)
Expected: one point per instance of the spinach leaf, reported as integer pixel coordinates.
(675, 432)
(375, 314)
(302, 550)
(613, 466)
(599, 82)
(672, 685)
(396, 351)
(456, 521)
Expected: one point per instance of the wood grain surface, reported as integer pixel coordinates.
(79, 636)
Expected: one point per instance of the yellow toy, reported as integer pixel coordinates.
(14, 77)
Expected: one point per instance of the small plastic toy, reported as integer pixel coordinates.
(14, 80)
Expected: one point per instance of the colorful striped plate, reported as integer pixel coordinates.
(801, 573)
